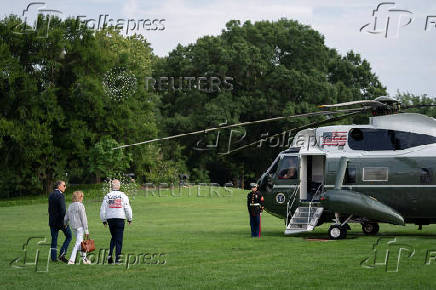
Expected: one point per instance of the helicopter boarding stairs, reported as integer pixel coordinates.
(305, 218)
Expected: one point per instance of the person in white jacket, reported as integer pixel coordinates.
(76, 217)
(114, 210)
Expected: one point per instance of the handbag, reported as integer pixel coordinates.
(87, 245)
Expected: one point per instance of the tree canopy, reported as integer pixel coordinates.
(62, 97)
(68, 98)
(277, 68)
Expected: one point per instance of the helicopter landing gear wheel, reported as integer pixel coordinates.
(370, 228)
(337, 232)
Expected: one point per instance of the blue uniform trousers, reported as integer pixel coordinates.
(255, 225)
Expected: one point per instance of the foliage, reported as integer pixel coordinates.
(104, 161)
(407, 99)
(70, 96)
(57, 116)
(199, 176)
(277, 68)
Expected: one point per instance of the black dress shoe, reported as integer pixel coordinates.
(110, 260)
(63, 259)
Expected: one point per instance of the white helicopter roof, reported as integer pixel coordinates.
(335, 138)
(406, 122)
(409, 122)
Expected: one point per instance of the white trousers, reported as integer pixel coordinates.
(79, 238)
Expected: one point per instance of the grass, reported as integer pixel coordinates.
(205, 242)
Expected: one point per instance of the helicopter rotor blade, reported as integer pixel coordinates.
(313, 124)
(416, 106)
(371, 103)
(325, 113)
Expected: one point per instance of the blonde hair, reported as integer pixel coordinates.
(77, 195)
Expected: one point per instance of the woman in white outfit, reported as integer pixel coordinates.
(76, 217)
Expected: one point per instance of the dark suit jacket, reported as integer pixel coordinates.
(56, 209)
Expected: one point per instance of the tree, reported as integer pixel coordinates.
(61, 109)
(408, 99)
(278, 68)
(104, 161)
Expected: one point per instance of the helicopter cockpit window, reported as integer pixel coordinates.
(288, 168)
(369, 139)
(273, 167)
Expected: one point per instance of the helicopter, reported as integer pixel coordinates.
(381, 172)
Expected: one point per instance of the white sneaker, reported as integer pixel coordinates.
(86, 261)
(71, 262)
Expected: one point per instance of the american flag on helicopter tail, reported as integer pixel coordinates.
(334, 138)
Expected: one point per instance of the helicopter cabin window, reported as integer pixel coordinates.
(368, 139)
(426, 176)
(350, 176)
(288, 168)
(375, 174)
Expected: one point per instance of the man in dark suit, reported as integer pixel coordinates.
(56, 214)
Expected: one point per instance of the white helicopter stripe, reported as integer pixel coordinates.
(386, 185)
(367, 185)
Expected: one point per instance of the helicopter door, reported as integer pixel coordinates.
(312, 172)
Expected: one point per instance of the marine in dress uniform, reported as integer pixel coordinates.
(255, 208)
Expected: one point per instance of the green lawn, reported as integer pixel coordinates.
(205, 243)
